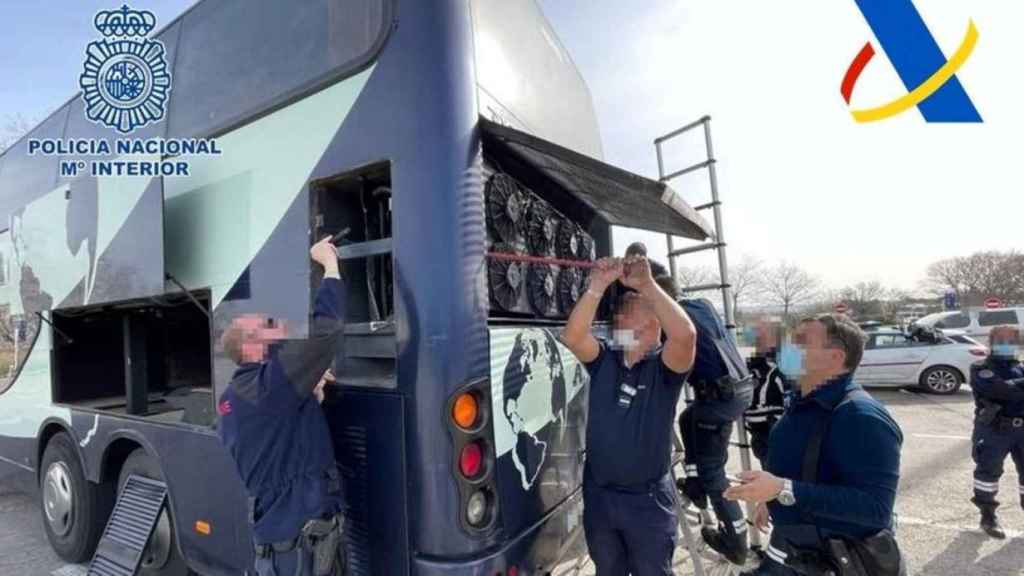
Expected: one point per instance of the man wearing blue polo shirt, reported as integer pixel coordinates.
(833, 461)
(629, 499)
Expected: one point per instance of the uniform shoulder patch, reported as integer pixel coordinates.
(986, 373)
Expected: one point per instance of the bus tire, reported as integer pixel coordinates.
(74, 510)
(161, 555)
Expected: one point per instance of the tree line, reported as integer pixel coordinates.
(787, 289)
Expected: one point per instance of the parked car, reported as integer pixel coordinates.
(937, 362)
(975, 323)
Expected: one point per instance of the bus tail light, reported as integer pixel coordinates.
(477, 508)
(467, 417)
(471, 460)
(466, 411)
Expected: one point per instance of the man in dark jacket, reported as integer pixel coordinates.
(998, 386)
(272, 424)
(853, 490)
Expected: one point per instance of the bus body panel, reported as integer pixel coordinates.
(246, 216)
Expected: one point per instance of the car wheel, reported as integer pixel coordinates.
(942, 380)
(74, 509)
(161, 555)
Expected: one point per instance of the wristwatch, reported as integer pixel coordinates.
(786, 497)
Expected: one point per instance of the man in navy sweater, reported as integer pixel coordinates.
(859, 464)
(272, 424)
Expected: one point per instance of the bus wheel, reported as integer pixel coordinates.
(74, 509)
(161, 555)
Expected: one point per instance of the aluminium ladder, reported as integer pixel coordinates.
(715, 242)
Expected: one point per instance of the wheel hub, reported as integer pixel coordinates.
(59, 498)
(942, 381)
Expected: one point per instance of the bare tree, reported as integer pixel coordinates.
(746, 279)
(979, 276)
(789, 286)
(14, 127)
(690, 276)
(864, 298)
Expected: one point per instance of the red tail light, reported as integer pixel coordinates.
(471, 460)
(978, 352)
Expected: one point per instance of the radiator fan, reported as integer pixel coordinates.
(506, 280)
(506, 208)
(540, 284)
(570, 287)
(541, 228)
(587, 249)
(569, 239)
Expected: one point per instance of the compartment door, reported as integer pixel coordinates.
(89, 241)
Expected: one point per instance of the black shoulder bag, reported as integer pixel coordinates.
(876, 555)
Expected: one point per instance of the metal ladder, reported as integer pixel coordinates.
(717, 243)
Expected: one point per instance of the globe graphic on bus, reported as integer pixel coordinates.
(534, 390)
(124, 81)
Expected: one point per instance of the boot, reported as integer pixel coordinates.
(990, 524)
(733, 547)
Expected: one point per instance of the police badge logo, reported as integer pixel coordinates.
(126, 82)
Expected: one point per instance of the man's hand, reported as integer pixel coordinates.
(761, 517)
(757, 486)
(607, 271)
(318, 390)
(326, 254)
(637, 274)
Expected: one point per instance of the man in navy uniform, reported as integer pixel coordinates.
(629, 514)
(272, 424)
(855, 465)
(769, 388)
(723, 390)
(998, 386)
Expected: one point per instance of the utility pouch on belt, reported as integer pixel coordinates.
(810, 563)
(323, 538)
(988, 411)
(846, 562)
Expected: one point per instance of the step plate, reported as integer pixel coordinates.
(124, 539)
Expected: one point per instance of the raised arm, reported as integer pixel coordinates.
(680, 334)
(577, 335)
(305, 361)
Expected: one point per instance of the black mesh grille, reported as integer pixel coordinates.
(541, 285)
(506, 208)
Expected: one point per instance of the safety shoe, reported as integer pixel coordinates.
(733, 548)
(990, 525)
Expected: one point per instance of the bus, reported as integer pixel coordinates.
(454, 145)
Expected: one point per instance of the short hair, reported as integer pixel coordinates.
(844, 334)
(231, 341)
(669, 285)
(636, 249)
(1001, 329)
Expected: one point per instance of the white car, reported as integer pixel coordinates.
(939, 366)
(975, 323)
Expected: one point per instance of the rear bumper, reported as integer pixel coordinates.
(556, 539)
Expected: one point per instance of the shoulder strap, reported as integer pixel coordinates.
(812, 455)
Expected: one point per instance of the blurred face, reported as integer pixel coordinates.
(258, 333)
(636, 325)
(1005, 342)
(766, 335)
(820, 359)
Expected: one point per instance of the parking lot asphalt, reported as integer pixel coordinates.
(937, 523)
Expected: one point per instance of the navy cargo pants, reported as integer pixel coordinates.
(706, 428)
(992, 444)
(631, 531)
(286, 564)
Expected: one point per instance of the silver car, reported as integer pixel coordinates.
(940, 364)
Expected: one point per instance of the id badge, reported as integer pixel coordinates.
(626, 394)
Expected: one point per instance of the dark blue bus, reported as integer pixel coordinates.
(457, 144)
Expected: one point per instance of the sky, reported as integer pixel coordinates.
(800, 180)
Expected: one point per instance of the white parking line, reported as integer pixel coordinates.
(942, 436)
(911, 521)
